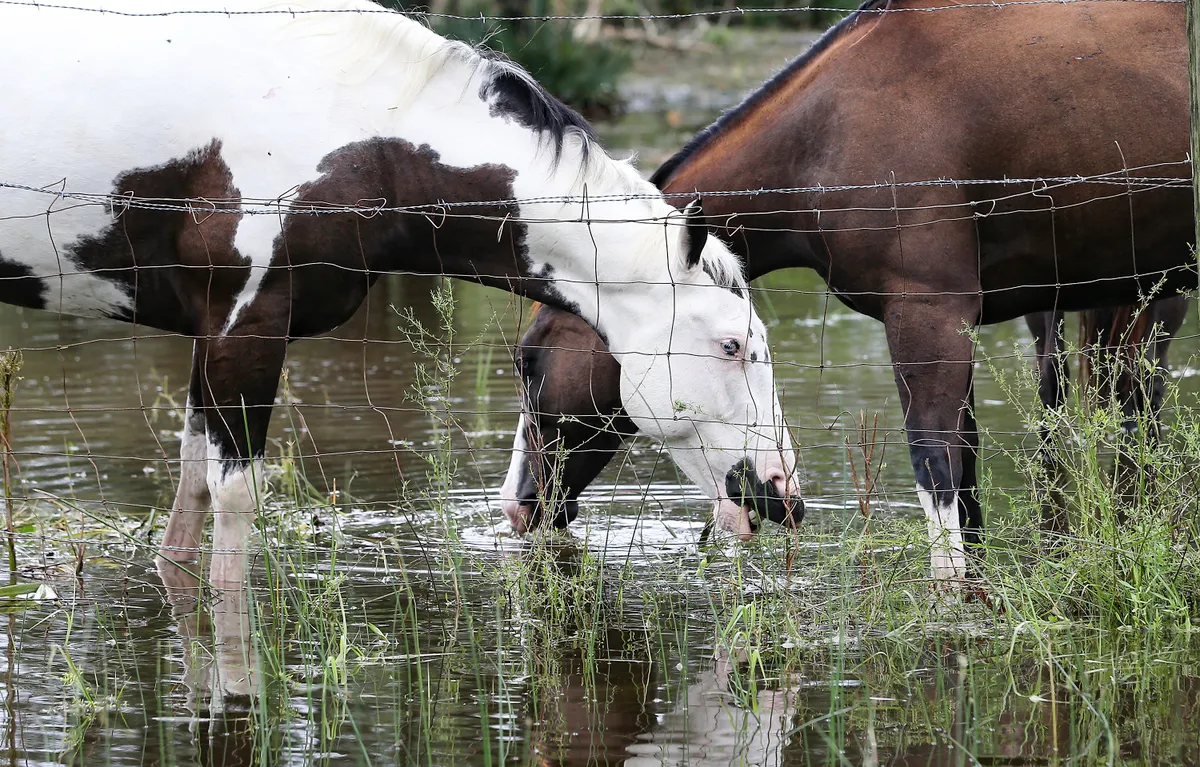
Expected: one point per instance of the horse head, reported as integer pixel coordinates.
(715, 381)
(571, 423)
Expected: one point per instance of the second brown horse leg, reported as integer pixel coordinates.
(932, 361)
(1047, 330)
(1142, 349)
(970, 513)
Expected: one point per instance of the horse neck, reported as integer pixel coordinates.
(605, 259)
(565, 224)
(767, 231)
(763, 146)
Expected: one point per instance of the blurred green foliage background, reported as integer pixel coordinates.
(581, 60)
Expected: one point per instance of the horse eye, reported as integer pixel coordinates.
(731, 347)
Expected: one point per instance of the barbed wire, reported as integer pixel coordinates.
(735, 11)
(282, 205)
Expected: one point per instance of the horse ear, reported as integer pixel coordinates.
(697, 232)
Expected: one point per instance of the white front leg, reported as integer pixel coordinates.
(235, 490)
(185, 527)
(948, 557)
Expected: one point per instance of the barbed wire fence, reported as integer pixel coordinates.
(74, 438)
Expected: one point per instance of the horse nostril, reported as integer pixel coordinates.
(779, 479)
(518, 516)
(780, 485)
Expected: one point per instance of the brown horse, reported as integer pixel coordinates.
(571, 423)
(1007, 169)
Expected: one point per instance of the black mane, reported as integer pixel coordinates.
(663, 174)
(514, 93)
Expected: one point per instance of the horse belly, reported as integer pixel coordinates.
(36, 267)
(1095, 252)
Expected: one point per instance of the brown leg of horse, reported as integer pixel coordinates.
(185, 527)
(1169, 314)
(1047, 330)
(970, 514)
(1123, 352)
(1142, 390)
(932, 359)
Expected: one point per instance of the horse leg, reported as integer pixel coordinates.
(970, 513)
(240, 372)
(1168, 315)
(1047, 330)
(185, 527)
(932, 360)
(1142, 389)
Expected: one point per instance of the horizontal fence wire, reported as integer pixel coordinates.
(202, 208)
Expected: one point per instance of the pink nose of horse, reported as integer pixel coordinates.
(779, 479)
(518, 514)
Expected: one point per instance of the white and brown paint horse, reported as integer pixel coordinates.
(190, 167)
(863, 130)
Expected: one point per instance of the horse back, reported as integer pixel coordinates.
(1013, 102)
(156, 170)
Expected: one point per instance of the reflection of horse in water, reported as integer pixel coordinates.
(943, 705)
(712, 726)
(221, 670)
(220, 661)
(615, 715)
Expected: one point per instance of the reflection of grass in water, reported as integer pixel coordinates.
(482, 398)
(1031, 696)
(10, 365)
(90, 702)
(1085, 611)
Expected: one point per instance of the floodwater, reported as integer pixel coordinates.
(393, 620)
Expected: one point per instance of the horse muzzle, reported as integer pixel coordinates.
(763, 498)
(527, 515)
